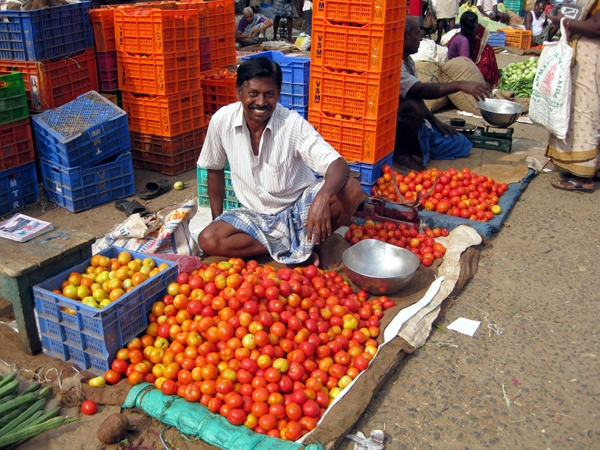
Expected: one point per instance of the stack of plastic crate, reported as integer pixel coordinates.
(53, 48)
(217, 40)
(103, 24)
(295, 72)
(18, 176)
(229, 202)
(85, 152)
(158, 64)
(356, 60)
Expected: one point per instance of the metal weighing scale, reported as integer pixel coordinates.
(498, 114)
(482, 137)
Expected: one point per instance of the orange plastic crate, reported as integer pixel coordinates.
(360, 11)
(49, 84)
(169, 156)
(218, 89)
(359, 94)
(164, 115)
(152, 31)
(16, 144)
(222, 51)
(103, 24)
(159, 74)
(369, 47)
(517, 38)
(362, 140)
(216, 17)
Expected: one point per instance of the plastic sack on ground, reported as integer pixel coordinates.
(194, 419)
(550, 104)
(166, 232)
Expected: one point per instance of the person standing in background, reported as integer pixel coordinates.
(444, 10)
(578, 156)
(307, 11)
(287, 10)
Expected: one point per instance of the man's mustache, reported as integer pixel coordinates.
(260, 108)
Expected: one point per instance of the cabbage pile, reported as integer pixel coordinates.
(518, 77)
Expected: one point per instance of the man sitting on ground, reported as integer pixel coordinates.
(251, 28)
(271, 150)
(489, 9)
(420, 135)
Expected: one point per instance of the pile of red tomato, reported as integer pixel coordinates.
(458, 193)
(421, 244)
(266, 348)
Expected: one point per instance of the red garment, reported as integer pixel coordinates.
(483, 56)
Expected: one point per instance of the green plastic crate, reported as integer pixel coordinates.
(13, 100)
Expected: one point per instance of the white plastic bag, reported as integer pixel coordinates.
(427, 51)
(166, 232)
(550, 104)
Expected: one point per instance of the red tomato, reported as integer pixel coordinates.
(112, 377)
(236, 416)
(89, 407)
(168, 387)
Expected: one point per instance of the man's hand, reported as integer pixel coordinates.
(446, 129)
(319, 220)
(478, 90)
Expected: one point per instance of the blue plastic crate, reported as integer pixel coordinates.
(302, 110)
(294, 69)
(497, 39)
(370, 172)
(45, 34)
(91, 337)
(83, 132)
(18, 187)
(80, 188)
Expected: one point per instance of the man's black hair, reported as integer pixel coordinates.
(260, 67)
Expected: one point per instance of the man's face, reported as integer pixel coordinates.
(412, 39)
(259, 97)
(539, 7)
(249, 17)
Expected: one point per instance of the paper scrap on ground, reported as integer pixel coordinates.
(465, 326)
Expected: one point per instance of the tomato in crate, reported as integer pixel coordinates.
(88, 336)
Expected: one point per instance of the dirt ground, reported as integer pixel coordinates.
(529, 376)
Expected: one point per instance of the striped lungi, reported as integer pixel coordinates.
(282, 234)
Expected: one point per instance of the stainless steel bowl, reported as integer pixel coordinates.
(500, 113)
(379, 268)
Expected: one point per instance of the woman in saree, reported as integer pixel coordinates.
(577, 157)
(471, 42)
